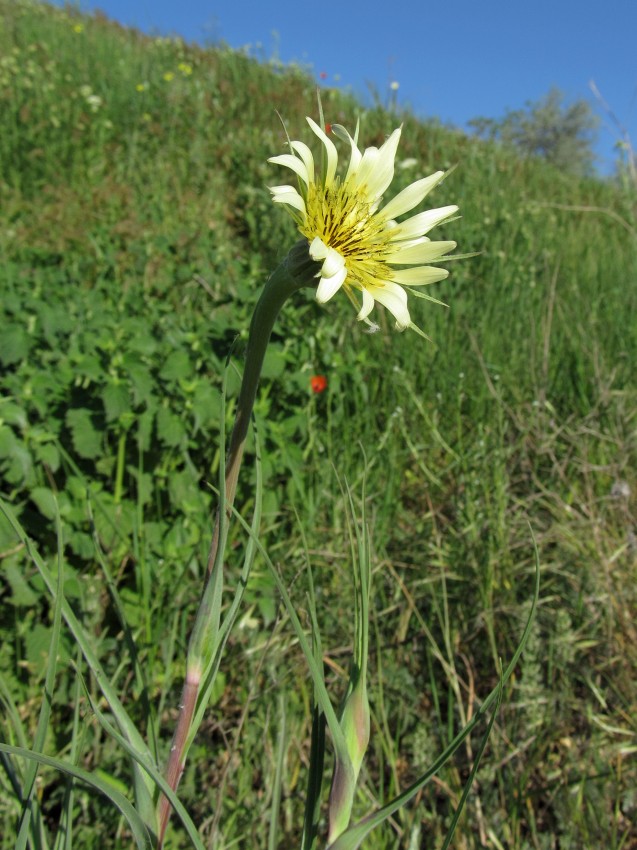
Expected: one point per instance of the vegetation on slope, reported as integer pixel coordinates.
(136, 230)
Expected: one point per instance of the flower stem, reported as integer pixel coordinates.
(295, 272)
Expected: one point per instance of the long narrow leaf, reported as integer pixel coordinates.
(64, 837)
(317, 743)
(352, 838)
(314, 780)
(29, 802)
(129, 639)
(137, 825)
(278, 776)
(124, 722)
(474, 770)
(315, 669)
(225, 628)
(154, 774)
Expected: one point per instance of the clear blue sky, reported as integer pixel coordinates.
(454, 60)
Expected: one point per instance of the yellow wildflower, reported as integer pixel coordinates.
(360, 245)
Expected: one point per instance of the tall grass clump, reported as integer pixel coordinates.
(136, 231)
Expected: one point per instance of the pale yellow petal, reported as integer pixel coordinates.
(368, 305)
(375, 171)
(318, 249)
(394, 298)
(411, 196)
(288, 195)
(306, 155)
(423, 252)
(333, 263)
(355, 158)
(293, 162)
(422, 223)
(387, 159)
(332, 155)
(419, 276)
(360, 178)
(329, 286)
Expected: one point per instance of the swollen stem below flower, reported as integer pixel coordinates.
(295, 272)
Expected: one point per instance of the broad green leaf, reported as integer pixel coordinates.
(13, 414)
(177, 367)
(170, 428)
(206, 406)
(87, 440)
(8, 441)
(14, 345)
(141, 380)
(21, 591)
(117, 401)
(19, 468)
(48, 453)
(37, 641)
(45, 499)
(88, 366)
(81, 544)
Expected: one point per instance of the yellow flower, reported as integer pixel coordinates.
(360, 244)
(168, 76)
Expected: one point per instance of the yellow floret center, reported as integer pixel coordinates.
(343, 220)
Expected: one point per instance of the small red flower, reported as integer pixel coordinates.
(318, 383)
(328, 128)
(323, 75)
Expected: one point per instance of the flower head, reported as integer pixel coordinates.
(360, 245)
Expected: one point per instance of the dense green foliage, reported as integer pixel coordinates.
(136, 230)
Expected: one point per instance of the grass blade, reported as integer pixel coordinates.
(154, 774)
(352, 838)
(474, 770)
(278, 776)
(29, 804)
(138, 827)
(64, 837)
(143, 786)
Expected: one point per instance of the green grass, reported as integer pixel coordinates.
(136, 231)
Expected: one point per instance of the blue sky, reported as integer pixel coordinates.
(454, 60)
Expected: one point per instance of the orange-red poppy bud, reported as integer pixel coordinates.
(318, 383)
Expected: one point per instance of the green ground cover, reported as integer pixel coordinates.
(136, 231)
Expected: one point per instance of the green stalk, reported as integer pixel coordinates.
(295, 272)
(355, 715)
(119, 476)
